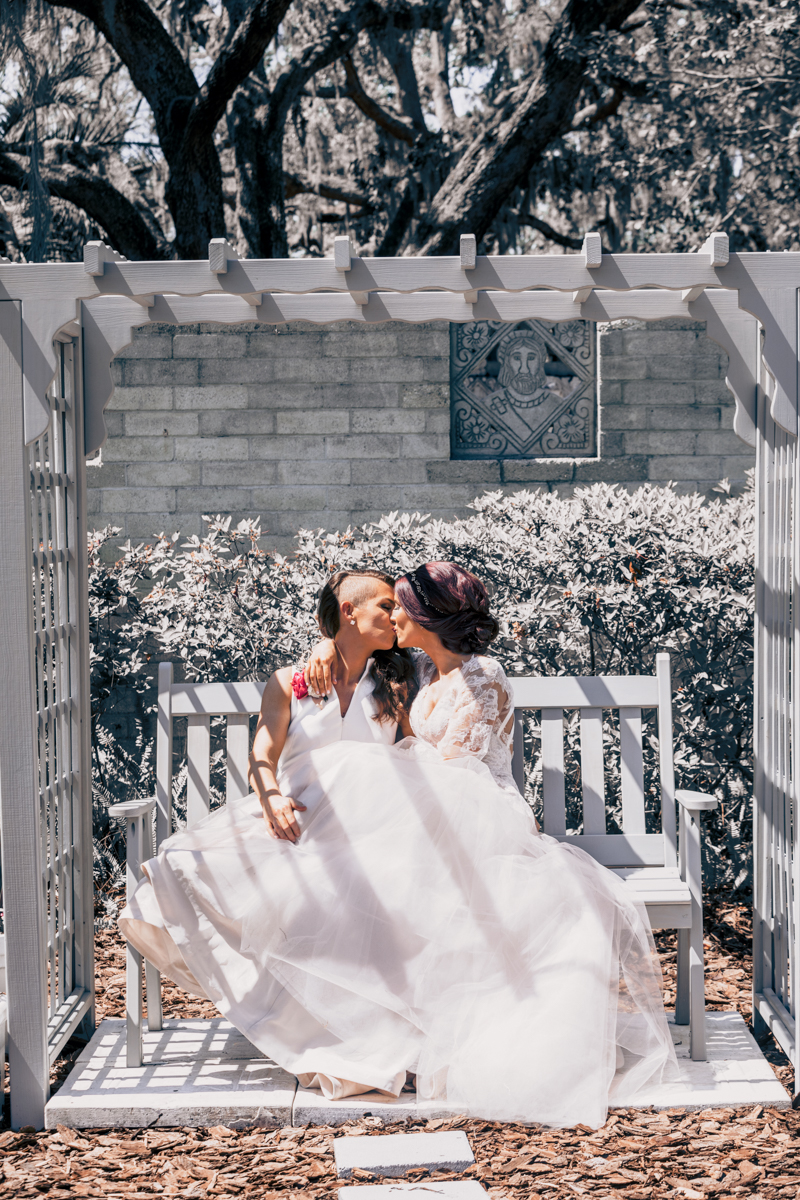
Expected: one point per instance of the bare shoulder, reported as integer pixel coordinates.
(279, 685)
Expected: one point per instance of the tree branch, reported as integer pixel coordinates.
(234, 63)
(127, 229)
(561, 239)
(296, 186)
(355, 92)
(593, 114)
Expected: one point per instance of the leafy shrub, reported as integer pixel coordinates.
(597, 583)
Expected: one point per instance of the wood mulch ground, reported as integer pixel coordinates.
(722, 1153)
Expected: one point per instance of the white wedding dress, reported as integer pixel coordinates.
(420, 923)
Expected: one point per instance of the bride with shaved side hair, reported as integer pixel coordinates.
(379, 907)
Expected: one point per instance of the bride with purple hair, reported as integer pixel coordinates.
(377, 907)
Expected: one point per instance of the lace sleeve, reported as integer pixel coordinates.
(474, 718)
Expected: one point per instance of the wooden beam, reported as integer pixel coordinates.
(96, 255)
(220, 253)
(342, 253)
(469, 251)
(592, 250)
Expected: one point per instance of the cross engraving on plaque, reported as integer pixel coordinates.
(523, 391)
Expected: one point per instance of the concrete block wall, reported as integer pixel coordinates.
(308, 426)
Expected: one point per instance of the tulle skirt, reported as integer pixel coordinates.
(421, 923)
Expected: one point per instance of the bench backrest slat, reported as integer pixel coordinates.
(236, 756)
(632, 770)
(553, 783)
(198, 756)
(592, 771)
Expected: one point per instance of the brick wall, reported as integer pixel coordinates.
(307, 426)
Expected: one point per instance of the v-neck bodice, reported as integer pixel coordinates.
(312, 726)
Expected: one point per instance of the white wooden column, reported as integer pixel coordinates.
(776, 844)
(83, 866)
(19, 790)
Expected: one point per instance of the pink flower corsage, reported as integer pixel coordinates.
(299, 685)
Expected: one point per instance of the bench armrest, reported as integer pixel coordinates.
(696, 801)
(129, 810)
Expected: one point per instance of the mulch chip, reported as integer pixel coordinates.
(641, 1154)
(724, 1153)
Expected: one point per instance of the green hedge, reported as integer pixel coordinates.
(596, 583)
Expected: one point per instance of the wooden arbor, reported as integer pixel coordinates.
(60, 327)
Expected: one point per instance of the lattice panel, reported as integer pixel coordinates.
(56, 600)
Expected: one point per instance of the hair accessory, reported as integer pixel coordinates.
(423, 595)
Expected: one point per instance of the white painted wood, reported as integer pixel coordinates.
(237, 756)
(342, 253)
(471, 297)
(739, 335)
(697, 801)
(632, 770)
(692, 294)
(19, 788)
(518, 752)
(619, 849)
(198, 758)
(96, 255)
(164, 755)
(665, 759)
(133, 959)
(586, 691)
(717, 248)
(582, 295)
(78, 576)
(393, 1154)
(553, 788)
(216, 699)
(469, 251)
(592, 771)
(65, 1020)
(220, 253)
(592, 250)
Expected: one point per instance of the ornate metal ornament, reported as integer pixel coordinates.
(526, 391)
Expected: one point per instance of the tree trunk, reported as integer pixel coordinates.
(258, 151)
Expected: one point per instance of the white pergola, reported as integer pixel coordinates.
(60, 327)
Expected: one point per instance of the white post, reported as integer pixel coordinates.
(19, 789)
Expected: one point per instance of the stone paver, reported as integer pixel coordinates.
(456, 1189)
(395, 1153)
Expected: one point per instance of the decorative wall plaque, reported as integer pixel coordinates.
(523, 391)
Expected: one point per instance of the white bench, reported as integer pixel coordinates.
(666, 880)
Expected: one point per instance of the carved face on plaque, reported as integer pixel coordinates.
(521, 357)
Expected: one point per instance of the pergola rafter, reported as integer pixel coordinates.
(61, 326)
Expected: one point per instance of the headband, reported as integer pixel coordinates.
(423, 595)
